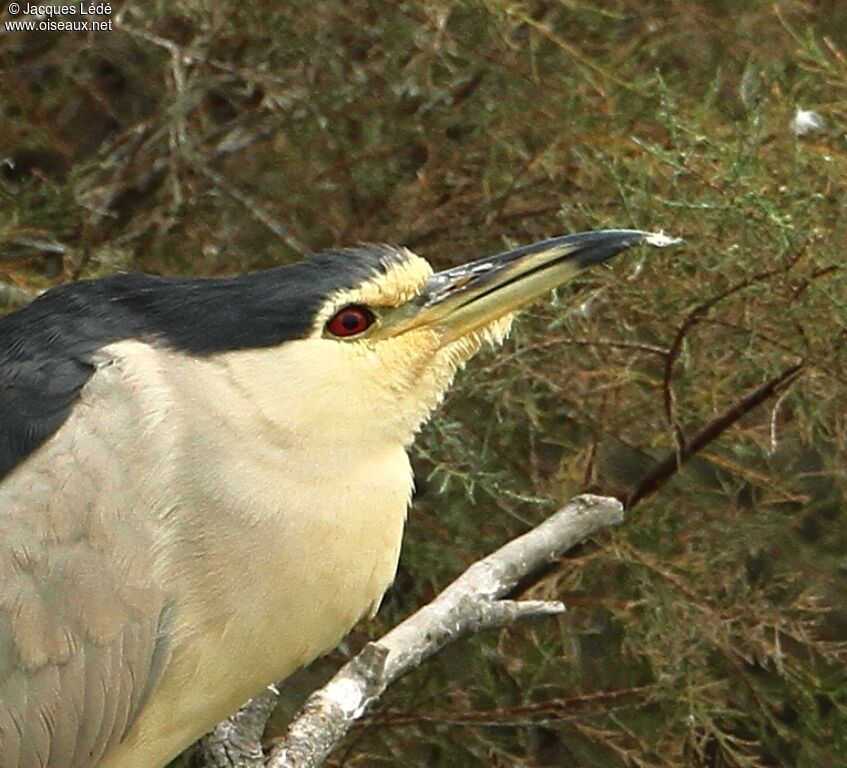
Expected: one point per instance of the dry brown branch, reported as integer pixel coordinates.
(536, 713)
(699, 313)
(471, 603)
(667, 467)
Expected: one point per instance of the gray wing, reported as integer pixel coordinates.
(83, 622)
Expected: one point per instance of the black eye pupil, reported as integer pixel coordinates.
(351, 320)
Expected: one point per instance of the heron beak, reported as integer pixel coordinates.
(469, 297)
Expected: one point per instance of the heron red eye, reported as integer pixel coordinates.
(350, 321)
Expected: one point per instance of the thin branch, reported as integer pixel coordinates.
(177, 133)
(255, 210)
(667, 467)
(698, 314)
(598, 703)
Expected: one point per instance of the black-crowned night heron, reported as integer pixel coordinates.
(203, 482)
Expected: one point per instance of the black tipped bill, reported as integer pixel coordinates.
(468, 297)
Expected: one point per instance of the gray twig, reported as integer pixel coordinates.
(237, 741)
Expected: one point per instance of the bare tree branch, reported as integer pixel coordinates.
(697, 315)
(237, 741)
(473, 602)
(663, 470)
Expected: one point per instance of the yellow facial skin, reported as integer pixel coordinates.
(428, 325)
(396, 370)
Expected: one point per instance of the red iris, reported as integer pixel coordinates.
(350, 321)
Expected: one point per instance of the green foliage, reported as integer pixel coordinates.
(709, 631)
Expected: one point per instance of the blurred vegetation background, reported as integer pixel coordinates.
(709, 631)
